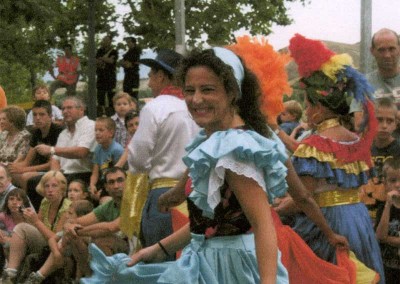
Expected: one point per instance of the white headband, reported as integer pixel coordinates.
(231, 59)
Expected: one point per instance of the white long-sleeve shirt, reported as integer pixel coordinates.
(165, 128)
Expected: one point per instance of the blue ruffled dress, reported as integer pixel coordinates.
(216, 259)
(350, 220)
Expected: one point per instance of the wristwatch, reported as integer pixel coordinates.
(52, 151)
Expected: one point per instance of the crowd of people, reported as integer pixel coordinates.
(309, 196)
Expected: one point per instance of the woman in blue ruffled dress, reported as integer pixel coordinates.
(236, 174)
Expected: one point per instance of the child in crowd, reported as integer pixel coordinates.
(10, 216)
(385, 146)
(77, 190)
(106, 155)
(290, 117)
(60, 248)
(131, 124)
(388, 220)
(41, 92)
(123, 103)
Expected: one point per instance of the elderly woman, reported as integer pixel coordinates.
(14, 139)
(334, 162)
(32, 236)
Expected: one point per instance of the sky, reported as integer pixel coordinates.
(334, 20)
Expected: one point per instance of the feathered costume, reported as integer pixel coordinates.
(331, 80)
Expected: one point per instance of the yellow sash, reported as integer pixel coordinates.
(135, 195)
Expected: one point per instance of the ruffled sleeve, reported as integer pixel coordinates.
(322, 158)
(244, 152)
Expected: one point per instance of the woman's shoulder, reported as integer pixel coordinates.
(241, 143)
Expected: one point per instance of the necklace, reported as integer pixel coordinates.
(326, 124)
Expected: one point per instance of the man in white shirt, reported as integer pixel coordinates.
(72, 153)
(158, 146)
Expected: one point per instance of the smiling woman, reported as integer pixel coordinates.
(14, 139)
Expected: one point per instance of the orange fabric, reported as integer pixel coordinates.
(179, 219)
(3, 98)
(301, 262)
(68, 70)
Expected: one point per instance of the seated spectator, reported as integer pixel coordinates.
(46, 132)
(5, 185)
(123, 103)
(14, 139)
(102, 225)
(71, 154)
(290, 117)
(41, 92)
(10, 216)
(388, 221)
(60, 248)
(77, 190)
(32, 235)
(131, 124)
(384, 147)
(106, 154)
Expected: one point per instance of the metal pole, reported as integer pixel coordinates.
(180, 46)
(366, 23)
(91, 99)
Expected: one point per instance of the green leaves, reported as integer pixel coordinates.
(207, 22)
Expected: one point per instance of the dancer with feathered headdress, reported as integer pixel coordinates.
(334, 162)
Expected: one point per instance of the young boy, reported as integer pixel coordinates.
(388, 220)
(45, 132)
(131, 124)
(106, 154)
(59, 246)
(385, 146)
(290, 117)
(41, 92)
(123, 103)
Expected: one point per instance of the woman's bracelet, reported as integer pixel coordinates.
(163, 249)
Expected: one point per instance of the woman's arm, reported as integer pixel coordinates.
(174, 196)
(172, 244)
(305, 202)
(37, 221)
(254, 203)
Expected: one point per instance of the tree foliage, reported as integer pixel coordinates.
(31, 31)
(210, 22)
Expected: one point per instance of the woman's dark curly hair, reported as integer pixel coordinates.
(247, 104)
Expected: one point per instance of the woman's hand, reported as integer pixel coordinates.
(339, 241)
(150, 254)
(169, 199)
(30, 215)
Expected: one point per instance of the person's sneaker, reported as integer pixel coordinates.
(34, 278)
(8, 276)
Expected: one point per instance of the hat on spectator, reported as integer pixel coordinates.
(166, 59)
